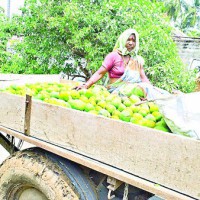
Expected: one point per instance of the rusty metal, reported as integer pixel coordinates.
(110, 196)
(113, 185)
(125, 196)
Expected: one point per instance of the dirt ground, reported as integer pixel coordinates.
(3, 155)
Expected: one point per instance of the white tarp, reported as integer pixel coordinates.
(182, 113)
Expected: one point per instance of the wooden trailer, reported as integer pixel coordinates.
(160, 163)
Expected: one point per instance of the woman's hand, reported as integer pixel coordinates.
(95, 77)
(80, 87)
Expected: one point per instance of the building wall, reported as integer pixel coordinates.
(189, 49)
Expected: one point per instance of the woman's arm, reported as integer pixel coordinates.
(143, 76)
(94, 78)
(107, 65)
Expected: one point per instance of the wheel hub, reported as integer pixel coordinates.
(30, 194)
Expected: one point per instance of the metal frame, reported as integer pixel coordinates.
(8, 143)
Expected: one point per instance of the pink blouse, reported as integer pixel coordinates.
(114, 64)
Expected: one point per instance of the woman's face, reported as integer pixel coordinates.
(131, 42)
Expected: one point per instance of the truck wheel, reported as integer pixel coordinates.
(35, 174)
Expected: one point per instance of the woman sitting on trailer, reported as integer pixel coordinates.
(123, 66)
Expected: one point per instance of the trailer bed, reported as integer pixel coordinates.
(162, 163)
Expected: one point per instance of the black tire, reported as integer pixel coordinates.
(43, 176)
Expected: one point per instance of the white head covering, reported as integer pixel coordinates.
(121, 42)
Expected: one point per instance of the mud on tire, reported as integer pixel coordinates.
(35, 172)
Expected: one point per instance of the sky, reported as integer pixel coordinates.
(14, 6)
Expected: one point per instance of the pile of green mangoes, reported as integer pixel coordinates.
(97, 100)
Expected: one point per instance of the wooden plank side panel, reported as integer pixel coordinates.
(166, 159)
(165, 193)
(12, 108)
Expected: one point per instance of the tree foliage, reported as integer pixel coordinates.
(80, 34)
(185, 15)
(4, 35)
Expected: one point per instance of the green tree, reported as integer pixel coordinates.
(85, 31)
(3, 36)
(185, 15)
